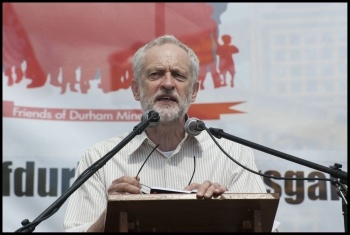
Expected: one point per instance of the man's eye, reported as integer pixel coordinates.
(155, 74)
(179, 76)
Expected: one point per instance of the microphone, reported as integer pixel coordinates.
(153, 116)
(194, 126)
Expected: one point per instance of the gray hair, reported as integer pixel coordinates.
(138, 59)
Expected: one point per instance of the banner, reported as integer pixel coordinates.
(271, 73)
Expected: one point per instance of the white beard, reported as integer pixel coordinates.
(167, 113)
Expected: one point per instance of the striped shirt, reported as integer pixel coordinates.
(197, 154)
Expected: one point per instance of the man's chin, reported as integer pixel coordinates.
(168, 115)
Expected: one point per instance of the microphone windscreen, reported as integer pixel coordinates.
(191, 127)
(153, 115)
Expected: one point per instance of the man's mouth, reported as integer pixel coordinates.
(166, 98)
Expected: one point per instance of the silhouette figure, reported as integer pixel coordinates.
(68, 78)
(121, 69)
(206, 52)
(17, 48)
(226, 62)
(206, 48)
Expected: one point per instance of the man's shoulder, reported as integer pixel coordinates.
(112, 142)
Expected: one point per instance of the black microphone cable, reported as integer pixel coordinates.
(255, 172)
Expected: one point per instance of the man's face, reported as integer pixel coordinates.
(166, 85)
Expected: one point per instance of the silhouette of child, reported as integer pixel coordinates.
(226, 63)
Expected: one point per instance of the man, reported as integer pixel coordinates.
(165, 80)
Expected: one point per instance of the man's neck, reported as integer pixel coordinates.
(168, 136)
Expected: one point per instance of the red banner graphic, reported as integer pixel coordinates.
(212, 111)
(208, 111)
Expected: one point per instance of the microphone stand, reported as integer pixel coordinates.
(338, 177)
(53, 208)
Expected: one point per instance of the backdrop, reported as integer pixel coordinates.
(272, 74)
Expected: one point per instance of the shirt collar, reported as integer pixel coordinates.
(139, 140)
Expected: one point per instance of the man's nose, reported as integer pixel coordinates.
(168, 81)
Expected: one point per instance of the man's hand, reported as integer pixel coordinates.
(207, 190)
(125, 185)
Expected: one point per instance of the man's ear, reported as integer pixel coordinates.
(195, 91)
(135, 90)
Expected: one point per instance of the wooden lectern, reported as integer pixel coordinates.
(230, 212)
